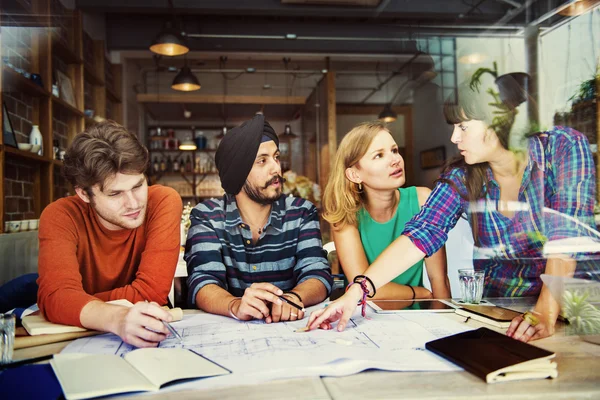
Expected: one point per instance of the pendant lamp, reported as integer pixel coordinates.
(169, 42)
(185, 80)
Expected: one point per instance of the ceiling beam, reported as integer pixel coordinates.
(217, 99)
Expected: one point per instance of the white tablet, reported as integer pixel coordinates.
(400, 306)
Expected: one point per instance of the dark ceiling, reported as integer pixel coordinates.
(389, 26)
(381, 36)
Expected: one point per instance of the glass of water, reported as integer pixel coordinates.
(7, 337)
(471, 285)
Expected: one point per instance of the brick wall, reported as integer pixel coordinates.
(109, 109)
(60, 127)
(61, 186)
(18, 190)
(19, 175)
(109, 78)
(16, 46)
(61, 22)
(88, 52)
(88, 101)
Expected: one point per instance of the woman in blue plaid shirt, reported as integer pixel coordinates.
(517, 191)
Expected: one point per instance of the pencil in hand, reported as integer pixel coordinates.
(291, 303)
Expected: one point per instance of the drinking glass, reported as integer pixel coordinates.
(471, 285)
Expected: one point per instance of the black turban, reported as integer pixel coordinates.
(237, 151)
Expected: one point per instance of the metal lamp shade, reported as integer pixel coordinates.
(188, 144)
(169, 42)
(388, 115)
(185, 81)
(287, 131)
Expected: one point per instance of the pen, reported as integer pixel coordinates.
(171, 329)
(26, 361)
(291, 303)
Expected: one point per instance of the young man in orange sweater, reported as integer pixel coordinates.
(116, 238)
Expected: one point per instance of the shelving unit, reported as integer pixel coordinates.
(50, 41)
(190, 184)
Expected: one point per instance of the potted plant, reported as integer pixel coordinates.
(512, 87)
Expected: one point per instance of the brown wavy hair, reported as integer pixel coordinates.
(342, 198)
(468, 104)
(101, 152)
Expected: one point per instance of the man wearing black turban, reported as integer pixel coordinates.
(255, 250)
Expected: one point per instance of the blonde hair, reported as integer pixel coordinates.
(342, 198)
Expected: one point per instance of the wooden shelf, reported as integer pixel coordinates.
(64, 53)
(58, 163)
(14, 81)
(67, 107)
(110, 93)
(92, 78)
(25, 155)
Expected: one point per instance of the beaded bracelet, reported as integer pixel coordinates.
(230, 308)
(295, 294)
(366, 278)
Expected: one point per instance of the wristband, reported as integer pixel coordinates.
(363, 300)
(366, 278)
(230, 308)
(295, 294)
(413, 290)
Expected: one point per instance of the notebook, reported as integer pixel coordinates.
(92, 375)
(492, 315)
(495, 357)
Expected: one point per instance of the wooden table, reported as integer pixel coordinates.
(578, 377)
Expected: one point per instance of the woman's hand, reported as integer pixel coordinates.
(526, 329)
(341, 309)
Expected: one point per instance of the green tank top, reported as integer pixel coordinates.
(377, 236)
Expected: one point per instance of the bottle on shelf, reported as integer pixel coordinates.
(176, 165)
(200, 140)
(163, 165)
(35, 138)
(155, 165)
(169, 164)
(188, 164)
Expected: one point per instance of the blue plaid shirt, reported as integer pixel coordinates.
(558, 187)
(219, 248)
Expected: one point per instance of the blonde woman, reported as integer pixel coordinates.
(367, 207)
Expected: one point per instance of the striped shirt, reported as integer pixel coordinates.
(219, 248)
(556, 200)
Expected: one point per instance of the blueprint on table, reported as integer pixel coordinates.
(270, 351)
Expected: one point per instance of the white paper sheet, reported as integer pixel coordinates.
(258, 352)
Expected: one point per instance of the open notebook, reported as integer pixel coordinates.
(91, 375)
(495, 357)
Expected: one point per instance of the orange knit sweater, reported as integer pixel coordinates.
(80, 260)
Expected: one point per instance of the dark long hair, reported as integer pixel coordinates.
(466, 104)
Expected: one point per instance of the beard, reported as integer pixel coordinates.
(118, 220)
(256, 193)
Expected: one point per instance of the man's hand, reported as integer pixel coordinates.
(284, 311)
(254, 303)
(141, 325)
